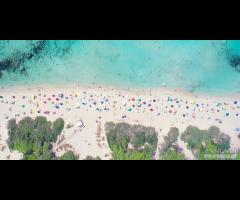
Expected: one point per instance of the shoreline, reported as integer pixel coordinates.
(96, 105)
(138, 91)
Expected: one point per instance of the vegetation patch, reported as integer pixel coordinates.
(129, 142)
(170, 149)
(209, 144)
(69, 155)
(34, 137)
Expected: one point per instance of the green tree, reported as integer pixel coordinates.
(22, 146)
(12, 130)
(152, 140)
(118, 153)
(57, 128)
(37, 148)
(139, 155)
(31, 157)
(207, 144)
(210, 152)
(193, 136)
(33, 138)
(170, 139)
(129, 142)
(47, 152)
(224, 145)
(111, 138)
(124, 142)
(172, 154)
(69, 155)
(139, 140)
(39, 121)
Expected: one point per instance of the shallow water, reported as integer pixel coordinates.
(210, 67)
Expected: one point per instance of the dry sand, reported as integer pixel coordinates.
(95, 106)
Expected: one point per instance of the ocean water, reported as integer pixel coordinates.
(197, 66)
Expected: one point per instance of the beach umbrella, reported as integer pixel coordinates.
(169, 98)
(227, 114)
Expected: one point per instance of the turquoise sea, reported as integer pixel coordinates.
(204, 66)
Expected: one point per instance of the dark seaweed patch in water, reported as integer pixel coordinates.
(233, 59)
(55, 49)
(16, 60)
(38, 50)
(235, 62)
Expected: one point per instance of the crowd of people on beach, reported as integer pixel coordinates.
(45, 104)
(124, 105)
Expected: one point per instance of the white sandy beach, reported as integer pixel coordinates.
(159, 108)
